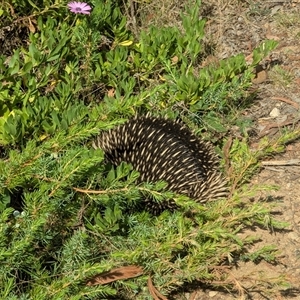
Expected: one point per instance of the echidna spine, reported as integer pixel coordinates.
(162, 149)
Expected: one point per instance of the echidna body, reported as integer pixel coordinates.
(161, 149)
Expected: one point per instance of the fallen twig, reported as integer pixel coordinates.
(277, 125)
(286, 100)
(291, 162)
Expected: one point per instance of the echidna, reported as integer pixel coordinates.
(162, 149)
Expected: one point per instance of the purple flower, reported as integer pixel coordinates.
(79, 7)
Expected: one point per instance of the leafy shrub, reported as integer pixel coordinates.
(78, 75)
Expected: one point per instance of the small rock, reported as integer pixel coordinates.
(274, 10)
(275, 112)
(212, 293)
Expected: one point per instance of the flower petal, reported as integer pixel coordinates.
(79, 7)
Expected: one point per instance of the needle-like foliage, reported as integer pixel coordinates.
(66, 215)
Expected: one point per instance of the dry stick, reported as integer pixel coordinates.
(132, 13)
(286, 100)
(97, 192)
(291, 162)
(278, 125)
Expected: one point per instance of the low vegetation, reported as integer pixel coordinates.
(66, 217)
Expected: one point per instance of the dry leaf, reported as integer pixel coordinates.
(272, 37)
(260, 77)
(249, 58)
(174, 60)
(31, 26)
(115, 274)
(154, 292)
(111, 93)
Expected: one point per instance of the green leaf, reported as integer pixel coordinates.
(51, 58)
(27, 67)
(55, 119)
(33, 5)
(111, 176)
(263, 50)
(14, 63)
(215, 124)
(35, 54)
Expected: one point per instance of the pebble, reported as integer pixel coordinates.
(275, 112)
(212, 293)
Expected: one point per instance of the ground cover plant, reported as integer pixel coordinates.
(67, 216)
